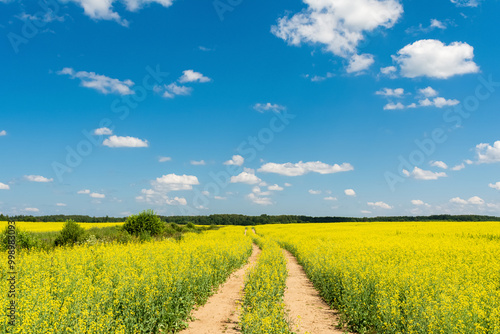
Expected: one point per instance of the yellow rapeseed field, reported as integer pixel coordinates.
(425, 277)
(52, 227)
(121, 288)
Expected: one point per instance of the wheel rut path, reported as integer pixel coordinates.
(221, 312)
(308, 313)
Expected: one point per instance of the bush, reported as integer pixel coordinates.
(70, 234)
(190, 225)
(24, 240)
(145, 222)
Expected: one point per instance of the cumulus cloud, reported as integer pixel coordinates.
(417, 202)
(389, 71)
(176, 201)
(339, 26)
(198, 163)
(394, 106)
(302, 168)
(237, 160)
(97, 195)
(37, 178)
(259, 200)
(350, 192)
(173, 182)
(458, 167)
(487, 153)
(475, 200)
(359, 63)
(439, 164)
(4, 186)
(428, 92)
(31, 210)
(192, 76)
(61, 204)
(164, 159)
(431, 58)
(330, 198)
(420, 174)
(85, 191)
(314, 192)
(275, 187)
(381, 205)
(263, 107)
(466, 3)
(101, 83)
(116, 141)
(388, 92)
(172, 90)
(103, 10)
(495, 185)
(248, 177)
(103, 132)
(161, 186)
(3, 133)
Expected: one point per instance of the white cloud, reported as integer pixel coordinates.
(366, 212)
(103, 9)
(439, 164)
(103, 132)
(259, 200)
(176, 201)
(458, 167)
(314, 192)
(263, 107)
(417, 202)
(491, 185)
(173, 182)
(97, 195)
(220, 198)
(248, 177)
(473, 200)
(438, 102)
(237, 160)
(31, 210)
(116, 141)
(428, 92)
(4, 186)
(330, 198)
(487, 154)
(288, 184)
(85, 191)
(101, 83)
(381, 205)
(420, 174)
(388, 92)
(466, 3)
(350, 192)
(302, 168)
(389, 71)
(432, 58)
(172, 90)
(437, 24)
(359, 63)
(275, 188)
(394, 106)
(3, 133)
(192, 76)
(198, 163)
(339, 26)
(37, 178)
(61, 204)
(164, 159)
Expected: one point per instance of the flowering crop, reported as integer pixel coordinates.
(425, 277)
(116, 288)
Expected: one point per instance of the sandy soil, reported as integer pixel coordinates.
(221, 312)
(308, 313)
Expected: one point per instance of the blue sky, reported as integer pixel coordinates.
(315, 107)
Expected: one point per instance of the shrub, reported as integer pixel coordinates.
(24, 239)
(190, 225)
(70, 234)
(146, 221)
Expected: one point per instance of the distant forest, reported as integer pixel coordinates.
(228, 219)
